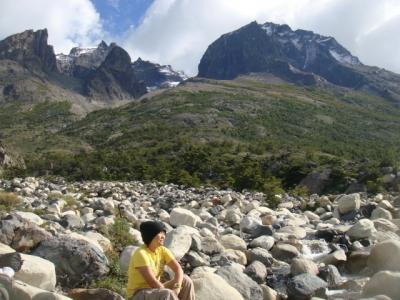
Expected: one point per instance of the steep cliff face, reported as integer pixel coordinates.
(30, 49)
(296, 56)
(115, 78)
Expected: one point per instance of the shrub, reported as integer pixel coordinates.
(118, 233)
(9, 201)
(271, 188)
(115, 281)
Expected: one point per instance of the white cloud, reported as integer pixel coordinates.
(70, 23)
(177, 32)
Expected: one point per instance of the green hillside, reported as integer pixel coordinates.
(241, 134)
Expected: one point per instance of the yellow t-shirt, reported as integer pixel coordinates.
(144, 257)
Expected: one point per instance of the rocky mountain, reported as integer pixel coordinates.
(81, 61)
(89, 78)
(31, 50)
(156, 76)
(114, 78)
(297, 56)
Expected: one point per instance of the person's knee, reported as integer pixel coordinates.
(187, 281)
(167, 293)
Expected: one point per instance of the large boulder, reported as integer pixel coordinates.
(23, 291)
(21, 234)
(77, 261)
(384, 256)
(363, 229)
(209, 286)
(37, 272)
(181, 216)
(349, 203)
(125, 258)
(94, 294)
(383, 283)
(246, 286)
(179, 240)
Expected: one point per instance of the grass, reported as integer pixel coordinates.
(9, 201)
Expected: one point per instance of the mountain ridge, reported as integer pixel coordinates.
(296, 56)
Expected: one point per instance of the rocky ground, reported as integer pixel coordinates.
(231, 244)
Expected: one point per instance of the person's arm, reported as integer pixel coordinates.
(149, 277)
(178, 275)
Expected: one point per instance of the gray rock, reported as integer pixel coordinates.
(348, 203)
(331, 275)
(209, 286)
(260, 254)
(382, 256)
(284, 252)
(362, 229)
(256, 271)
(264, 241)
(380, 212)
(383, 283)
(94, 294)
(246, 286)
(125, 258)
(210, 245)
(303, 265)
(77, 261)
(305, 286)
(179, 240)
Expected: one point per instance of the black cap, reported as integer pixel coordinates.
(150, 229)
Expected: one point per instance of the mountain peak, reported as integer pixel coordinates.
(276, 49)
(30, 48)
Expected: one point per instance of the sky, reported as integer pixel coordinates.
(177, 32)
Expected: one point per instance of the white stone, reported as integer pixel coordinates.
(209, 286)
(384, 256)
(30, 217)
(37, 272)
(383, 283)
(105, 221)
(5, 249)
(311, 216)
(125, 258)
(364, 228)
(348, 203)
(181, 216)
(231, 241)
(236, 256)
(269, 293)
(298, 232)
(386, 205)
(99, 239)
(380, 212)
(24, 291)
(179, 240)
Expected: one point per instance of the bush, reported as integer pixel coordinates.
(115, 281)
(9, 201)
(271, 188)
(118, 233)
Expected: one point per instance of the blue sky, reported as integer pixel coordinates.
(178, 32)
(118, 16)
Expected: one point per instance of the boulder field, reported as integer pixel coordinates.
(232, 245)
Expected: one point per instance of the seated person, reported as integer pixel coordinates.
(147, 265)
